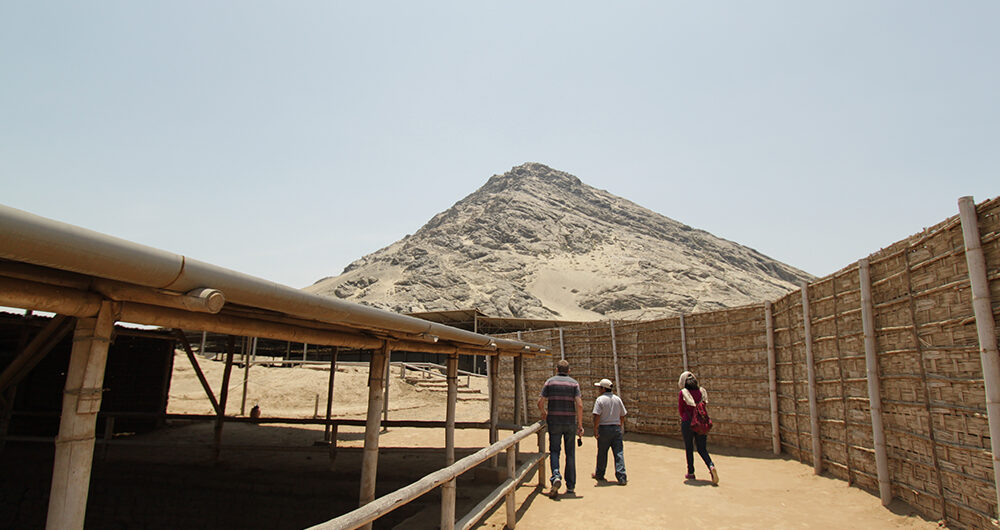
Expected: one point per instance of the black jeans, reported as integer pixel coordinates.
(690, 440)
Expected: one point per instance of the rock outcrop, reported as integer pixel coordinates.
(539, 243)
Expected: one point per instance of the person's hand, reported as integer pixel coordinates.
(596, 434)
(579, 431)
(545, 415)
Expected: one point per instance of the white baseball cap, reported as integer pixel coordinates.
(606, 383)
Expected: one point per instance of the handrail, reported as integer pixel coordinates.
(404, 495)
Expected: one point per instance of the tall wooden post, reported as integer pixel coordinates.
(614, 355)
(369, 462)
(329, 396)
(388, 382)
(684, 344)
(772, 379)
(982, 308)
(220, 418)
(246, 374)
(511, 501)
(519, 411)
(874, 392)
(448, 488)
(494, 370)
(74, 452)
(817, 443)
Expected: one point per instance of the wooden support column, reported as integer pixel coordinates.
(74, 452)
(684, 344)
(220, 419)
(519, 409)
(246, 374)
(494, 369)
(562, 347)
(772, 379)
(843, 386)
(369, 463)
(388, 382)
(614, 356)
(874, 392)
(448, 488)
(541, 465)
(817, 442)
(982, 308)
(511, 501)
(329, 400)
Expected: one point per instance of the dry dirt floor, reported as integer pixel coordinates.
(756, 490)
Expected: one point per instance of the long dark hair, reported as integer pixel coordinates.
(691, 383)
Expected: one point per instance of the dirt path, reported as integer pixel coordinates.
(754, 492)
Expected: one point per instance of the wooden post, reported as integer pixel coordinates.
(614, 355)
(843, 387)
(204, 337)
(772, 379)
(519, 410)
(684, 344)
(388, 382)
(982, 308)
(305, 351)
(369, 463)
(541, 465)
(224, 395)
(494, 369)
(562, 348)
(448, 488)
(329, 395)
(511, 501)
(74, 451)
(246, 373)
(817, 443)
(874, 392)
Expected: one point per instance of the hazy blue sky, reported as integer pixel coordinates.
(286, 139)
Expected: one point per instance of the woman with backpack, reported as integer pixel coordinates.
(688, 401)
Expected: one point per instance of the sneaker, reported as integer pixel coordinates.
(570, 492)
(689, 476)
(554, 490)
(715, 475)
(597, 478)
(622, 481)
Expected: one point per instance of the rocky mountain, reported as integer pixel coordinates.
(539, 243)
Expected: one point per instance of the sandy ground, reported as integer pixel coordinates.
(755, 490)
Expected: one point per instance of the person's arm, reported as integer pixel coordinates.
(541, 408)
(579, 416)
(597, 425)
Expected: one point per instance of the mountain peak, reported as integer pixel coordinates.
(536, 242)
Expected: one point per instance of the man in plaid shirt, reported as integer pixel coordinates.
(564, 417)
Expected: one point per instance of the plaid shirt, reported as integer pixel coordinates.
(561, 391)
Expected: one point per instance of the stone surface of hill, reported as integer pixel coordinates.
(539, 243)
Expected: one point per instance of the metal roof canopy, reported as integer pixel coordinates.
(58, 267)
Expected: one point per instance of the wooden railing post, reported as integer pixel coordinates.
(874, 392)
(511, 502)
(369, 462)
(448, 488)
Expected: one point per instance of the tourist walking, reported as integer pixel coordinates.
(687, 400)
(609, 419)
(561, 406)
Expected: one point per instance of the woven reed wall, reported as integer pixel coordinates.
(931, 381)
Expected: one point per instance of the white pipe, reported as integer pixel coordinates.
(772, 379)
(817, 444)
(874, 394)
(29, 238)
(989, 356)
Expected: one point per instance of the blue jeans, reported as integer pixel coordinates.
(610, 438)
(563, 433)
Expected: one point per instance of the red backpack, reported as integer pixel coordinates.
(700, 422)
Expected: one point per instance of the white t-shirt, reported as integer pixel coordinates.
(610, 408)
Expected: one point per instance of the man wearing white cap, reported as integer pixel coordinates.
(609, 418)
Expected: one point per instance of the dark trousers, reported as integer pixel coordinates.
(691, 439)
(610, 438)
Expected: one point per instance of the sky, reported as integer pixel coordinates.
(287, 139)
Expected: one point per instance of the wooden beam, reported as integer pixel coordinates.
(874, 392)
(220, 417)
(494, 381)
(197, 369)
(36, 350)
(448, 492)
